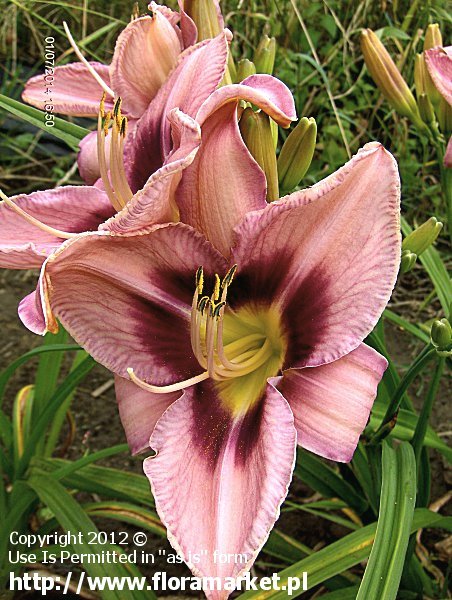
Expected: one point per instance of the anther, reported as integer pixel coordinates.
(216, 289)
(200, 279)
(217, 309)
(203, 303)
(117, 107)
(227, 280)
(102, 105)
(123, 128)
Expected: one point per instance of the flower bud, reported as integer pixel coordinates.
(245, 68)
(407, 261)
(296, 154)
(264, 57)
(441, 336)
(444, 114)
(208, 19)
(426, 109)
(257, 134)
(421, 238)
(205, 14)
(423, 82)
(387, 76)
(433, 37)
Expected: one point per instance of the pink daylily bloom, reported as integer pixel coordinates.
(146, 52)
(439, 64)
(237, 362)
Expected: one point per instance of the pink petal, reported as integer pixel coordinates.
(145, 53)
(155, 203)
(72, 90)
(139, 411)
(327, 256)
(127, 300)
(266, 92)
(218, 481)
(71, 209)
(223, 183)
(35, 313)
(199, 71)
(331, 403)
(439, 64)
(188, 27)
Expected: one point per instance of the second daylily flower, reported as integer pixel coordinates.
(227, 366)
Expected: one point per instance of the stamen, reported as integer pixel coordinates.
(47, 228)
(80, 56)
(101, 159)
(165, 389)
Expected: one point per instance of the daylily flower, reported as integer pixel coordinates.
(233, 341)
(154, 200)
(146, 52)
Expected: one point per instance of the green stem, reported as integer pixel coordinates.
(416, 367)
(421, 427)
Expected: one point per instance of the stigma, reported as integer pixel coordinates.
(115, 183)
(218, 360)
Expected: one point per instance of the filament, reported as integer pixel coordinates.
(165, 389)
(80, 56)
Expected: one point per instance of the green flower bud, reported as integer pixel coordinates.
(257, 134)
(441, 335)
(264, 57)
(204, 14)
(387, 77)
(421, 238)
(407, 261)
(209, 22)
(423, 82)
(245, 68)
(433, 37)
(426, 109)
(444, 114)
(296, 155)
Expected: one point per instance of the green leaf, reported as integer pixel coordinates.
(6, 374)
(127, 512)
(348, 593)
(406, 325)
(69, 133)
(39, 427)
(340, 556)
(73, 519)
(405, 426)
(398, 497)
(48, 370)
(284, 547)
(106, 481)
(322, 478)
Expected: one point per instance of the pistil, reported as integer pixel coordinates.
(39, 224)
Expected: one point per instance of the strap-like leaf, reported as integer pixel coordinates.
(398, 497)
